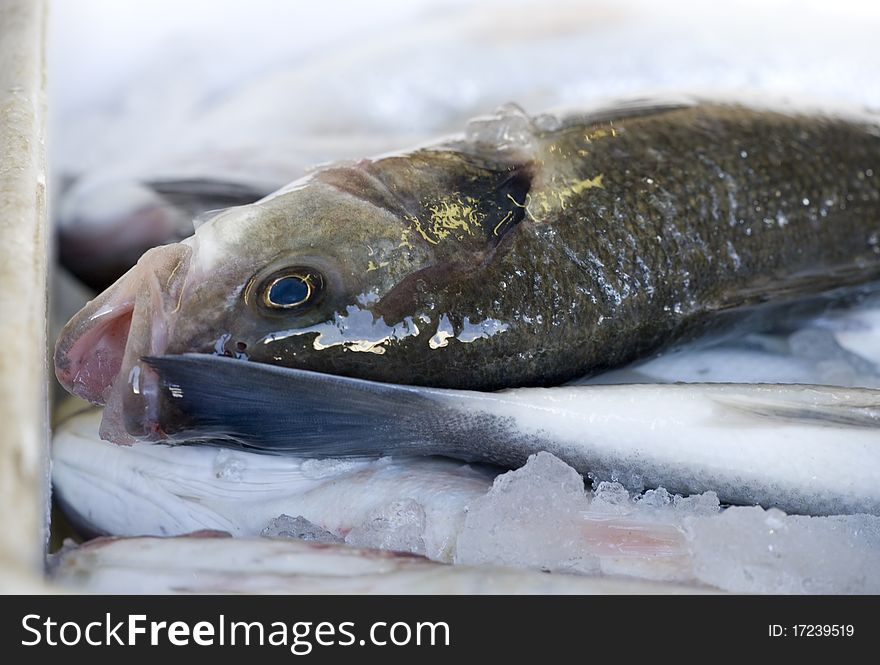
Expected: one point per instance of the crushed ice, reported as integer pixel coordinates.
(530, 517)
(542, 517)
(752, 550)
(299, 528)
(228, 465)
(316, 469)
(400, 526)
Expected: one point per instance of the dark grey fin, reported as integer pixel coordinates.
(830, 284)
(622, 109)
(785, 304)
(196, 195)
(214, 399)
(810, 405)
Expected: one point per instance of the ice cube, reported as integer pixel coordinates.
(529, 518)
(285, 526)
(658, 498)
(611, 494)
(752, 550)
(228, 465)
(399, 526)
(697, 504)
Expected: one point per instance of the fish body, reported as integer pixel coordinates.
(527, 253)
(162, 490)
(210, 563)
(407, 504)
(805, 449)
(539, 517)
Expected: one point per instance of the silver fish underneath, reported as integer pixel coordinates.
(209, 563)
(802, 448)
(539, 517)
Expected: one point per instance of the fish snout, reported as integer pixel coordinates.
(99, 346)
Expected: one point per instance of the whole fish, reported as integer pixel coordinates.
(153, 489)
(805, 449)
(211, 563)
(527, 253)
(421, 505)
(538, 516)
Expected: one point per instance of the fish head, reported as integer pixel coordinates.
(328, 274)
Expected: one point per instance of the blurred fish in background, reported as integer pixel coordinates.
(206, 105)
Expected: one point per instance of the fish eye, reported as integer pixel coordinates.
(292, 288)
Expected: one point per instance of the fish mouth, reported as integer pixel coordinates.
(97, 356)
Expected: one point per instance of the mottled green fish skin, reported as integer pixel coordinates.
(584, 242)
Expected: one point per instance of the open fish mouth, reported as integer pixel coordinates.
(97, 354)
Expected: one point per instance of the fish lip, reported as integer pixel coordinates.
(98, 349)
(132, 400)
(141, 402)
(108, 314)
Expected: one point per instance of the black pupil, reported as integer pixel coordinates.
(289, 291)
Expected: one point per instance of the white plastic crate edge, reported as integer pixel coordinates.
(23, 264)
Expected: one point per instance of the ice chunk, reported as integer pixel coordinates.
(285, 526)
(611, 494)
(509, 127)
(318, 469)
(614, 497)
(633, 480)
(399, 526)
(752, 550)
(658, 498)
(229, 465)
(529, 518)
(697, 504)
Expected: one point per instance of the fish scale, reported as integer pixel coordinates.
(653, 166)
